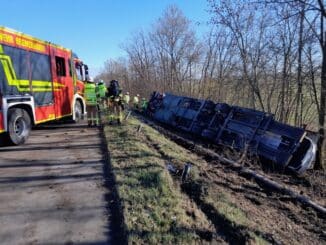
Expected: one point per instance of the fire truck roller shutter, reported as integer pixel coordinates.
(21, 67)
(14, 62)
(41, 71)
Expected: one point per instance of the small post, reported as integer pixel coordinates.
(140, 126)
(185, 172)
(128, 115)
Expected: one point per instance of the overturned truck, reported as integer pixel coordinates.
(242, 129)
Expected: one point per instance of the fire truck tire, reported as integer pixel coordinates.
(78, 111)
(19, 126)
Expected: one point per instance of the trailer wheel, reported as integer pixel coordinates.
(19, 126)
(78, 111)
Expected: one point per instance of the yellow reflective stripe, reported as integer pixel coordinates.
(23, 85)
(2, 130)
(43, 86)
(7, 65)
(52, 118)
(1, 49)
(66, 115)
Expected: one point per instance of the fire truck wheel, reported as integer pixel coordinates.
(19, 125)
(78, 112)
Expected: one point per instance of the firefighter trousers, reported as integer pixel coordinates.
(115, 112)
(92, 115)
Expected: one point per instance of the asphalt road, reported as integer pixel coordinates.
(52, 189)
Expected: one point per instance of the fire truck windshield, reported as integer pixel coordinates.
(79, 71)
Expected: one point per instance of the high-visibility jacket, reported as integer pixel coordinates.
(144, 104)
(126, 98)
(136, 100)
(102, 90)
(118, 98)
(90, 94)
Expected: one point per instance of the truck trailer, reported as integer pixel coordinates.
(245, 130)
(39, 82)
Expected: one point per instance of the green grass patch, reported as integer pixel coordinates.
(219, 200)
(228, 209)
(153, 206)
(223, 202)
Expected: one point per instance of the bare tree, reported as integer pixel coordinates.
(115, 69)
(217, 65)
(248, 31)
(257, 55)
(309, 11)
(142, 60)
(177, 47)
(321, 161)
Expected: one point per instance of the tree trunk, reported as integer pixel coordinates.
(321, 146)
(299, 97)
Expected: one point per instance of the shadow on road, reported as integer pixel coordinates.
(34, 165)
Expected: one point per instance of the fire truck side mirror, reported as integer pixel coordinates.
(86, 72)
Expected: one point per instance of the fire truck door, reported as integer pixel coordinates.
(62, 82)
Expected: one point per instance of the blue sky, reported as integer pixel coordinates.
(94, 29)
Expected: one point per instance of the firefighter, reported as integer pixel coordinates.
(91, 102)
(144, 104)
(116, 109)
(116, 102)
(136, 101)
(101, 94)
(126, 100)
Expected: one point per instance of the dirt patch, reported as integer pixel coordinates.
(312, 183)
(241, 209)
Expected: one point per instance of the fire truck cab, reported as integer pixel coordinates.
(39, 82)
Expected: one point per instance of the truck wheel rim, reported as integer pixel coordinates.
(19, 126)
(77, 112)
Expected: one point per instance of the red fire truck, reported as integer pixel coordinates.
(39, 82)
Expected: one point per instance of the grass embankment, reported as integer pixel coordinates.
(158, 208)
(154, 209)
(219, 205)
